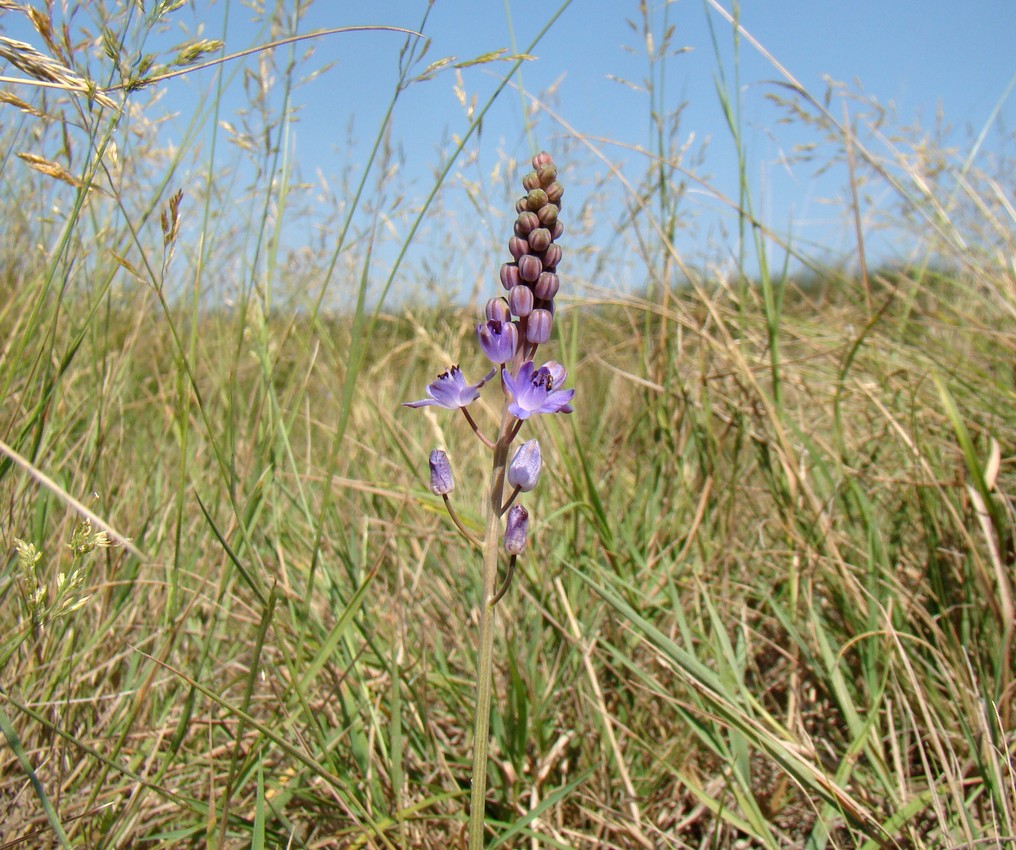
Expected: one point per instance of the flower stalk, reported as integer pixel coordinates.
(485, 655)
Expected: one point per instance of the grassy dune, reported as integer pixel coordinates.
(767, 600)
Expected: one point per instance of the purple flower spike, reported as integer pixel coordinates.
(498, 340)
(533, 390)
(524, 470)
(450, 391)
(516, 529)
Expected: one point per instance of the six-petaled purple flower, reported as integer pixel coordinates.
(451, 391)
(532, 390)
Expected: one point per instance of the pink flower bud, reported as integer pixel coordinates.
(542, 158)
(538, 327)
(510, 275)
(497, 310)
(518, 247)
(526, 223)
(530, 268)
(552, 256)
(539, 240)
(520, 300)
(547, 285)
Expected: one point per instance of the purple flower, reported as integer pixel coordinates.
(533, 390)
(498, 340)
(516, 529)
(451, 391)
(524, 470)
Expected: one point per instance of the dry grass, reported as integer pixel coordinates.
(768, 595)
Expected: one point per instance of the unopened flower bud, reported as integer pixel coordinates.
(552, 256)
(547, 285)
(526, 223)
(516, 529)
(547, 173)
(554, 192)
(441, 480)
(498, 340)
(522, 204)
(524, 470)
(542, 158)
(531, 181)
(547, 214)
(497, 310)
(557, 229)
(530, 268)
(520, 300)
(539, 326)
(535, 199)
(518, 247)
(510, 275)
(539, 240)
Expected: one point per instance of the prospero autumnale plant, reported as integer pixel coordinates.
(514, 327)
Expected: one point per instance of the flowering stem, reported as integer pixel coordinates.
(476, 428)
(511, 499)
(506, 583)
(514, 431)
(458, 523)
(484, 669)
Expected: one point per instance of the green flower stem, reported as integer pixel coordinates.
(484, 667)
(458, 523)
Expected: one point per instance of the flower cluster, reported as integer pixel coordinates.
(515, 325)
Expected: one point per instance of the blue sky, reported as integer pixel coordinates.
(919, 57)
(922, 58)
